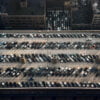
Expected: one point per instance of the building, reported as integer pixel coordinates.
(81, 14)
(23, 21)
(24, 14)
(51, 14)
(96, 14)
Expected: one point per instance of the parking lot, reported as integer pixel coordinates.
(41, 61)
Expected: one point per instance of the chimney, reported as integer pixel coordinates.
(23, 3)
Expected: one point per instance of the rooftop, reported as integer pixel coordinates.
(13, 7)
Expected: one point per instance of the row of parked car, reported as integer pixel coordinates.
(49, 72)
(61, 72)
(62, 58)
(49, 84)
(50, 35)
(49, 45)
